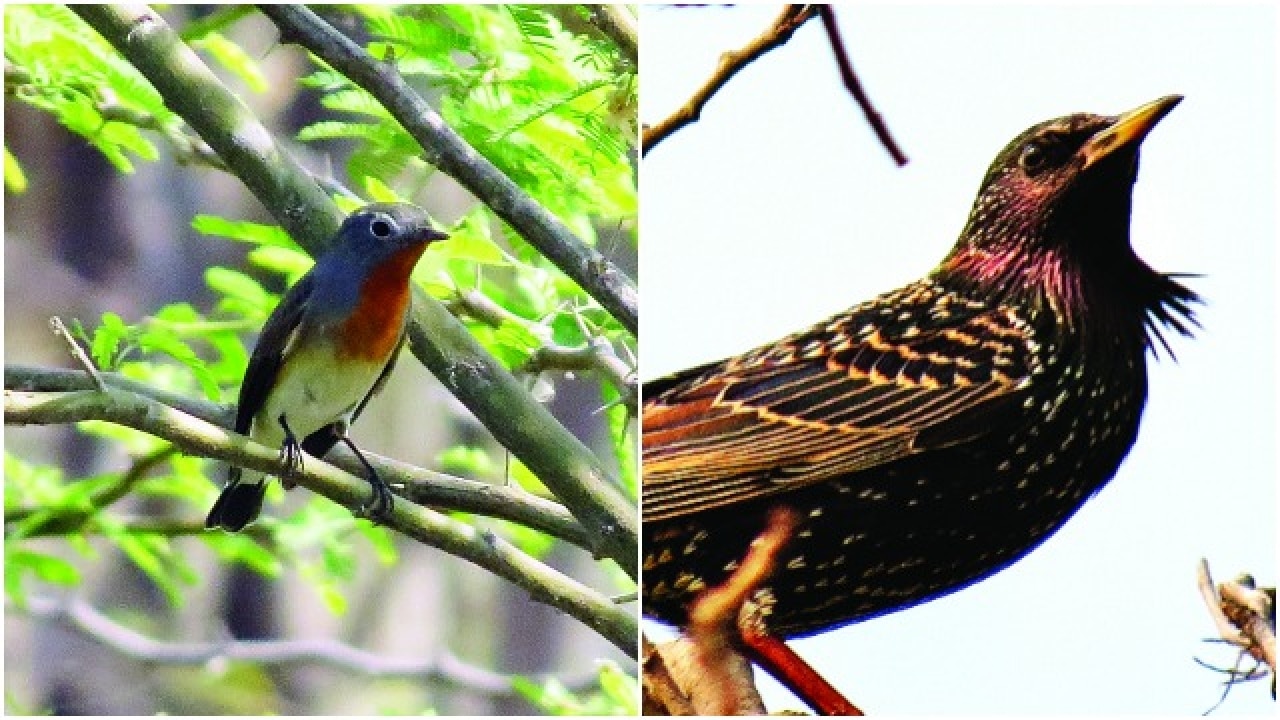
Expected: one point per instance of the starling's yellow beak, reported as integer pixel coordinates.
(1128, 130)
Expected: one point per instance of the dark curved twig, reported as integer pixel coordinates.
(855, 86)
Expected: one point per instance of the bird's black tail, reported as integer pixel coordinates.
(239, 503)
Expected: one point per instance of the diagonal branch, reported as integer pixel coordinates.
(198, 437)
(775, 36)
(854, 85)
(617, 22)
(445, 149)
(191, 89)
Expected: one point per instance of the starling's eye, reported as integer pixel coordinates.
(1034, 157)
(382, 226)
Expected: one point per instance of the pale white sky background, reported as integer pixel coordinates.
(779, 208)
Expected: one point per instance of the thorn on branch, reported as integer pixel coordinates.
(77, 352)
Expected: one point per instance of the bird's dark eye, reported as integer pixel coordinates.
(381, 227)
(1034, 157)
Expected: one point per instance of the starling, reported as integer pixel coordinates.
(934, 435)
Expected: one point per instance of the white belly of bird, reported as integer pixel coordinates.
(313, 391)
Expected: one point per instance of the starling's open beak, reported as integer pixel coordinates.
(1128, 130)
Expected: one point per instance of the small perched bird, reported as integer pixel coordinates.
(934, 435)
(326, 349)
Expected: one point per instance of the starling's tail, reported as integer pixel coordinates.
(240, 501)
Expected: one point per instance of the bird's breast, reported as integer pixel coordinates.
(317, 385)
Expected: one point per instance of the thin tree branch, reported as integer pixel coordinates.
(195, 436)
(445, 149)
(855, 86)
(617, 22)
(443, 666)
(191, 90)
(597, 356)
(661, 695)
(775, 36)
(420, 486)
(103, 497)
(77, 352)
(497, 399)
(1244, 614)
(590, 21)
(559, 459)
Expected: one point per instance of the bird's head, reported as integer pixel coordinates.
(1051, 220)
(1063, 186)
(381, 230)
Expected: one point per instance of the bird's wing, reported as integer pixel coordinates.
(848, 395)
(273, 345)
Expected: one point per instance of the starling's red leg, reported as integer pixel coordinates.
(791, 670)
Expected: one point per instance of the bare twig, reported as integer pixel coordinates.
(443, 666)
(776, 35)
(708, 665)
(855, 86)
(1244, 615)
(77, 352)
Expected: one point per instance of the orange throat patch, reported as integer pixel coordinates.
(373, 330)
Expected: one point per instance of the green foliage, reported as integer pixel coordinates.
(617, 694)
(233, 57)
(550, 108)
(554, 110)
(15, 181)
(62, 66)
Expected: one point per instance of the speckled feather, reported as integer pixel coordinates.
(935, 434)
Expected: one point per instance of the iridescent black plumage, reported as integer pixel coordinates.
(936, 434)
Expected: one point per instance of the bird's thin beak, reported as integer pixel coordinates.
(1128, 130)
(430, 234)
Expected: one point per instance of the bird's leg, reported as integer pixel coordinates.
(780, 661)
(290, 453)
(380, 505)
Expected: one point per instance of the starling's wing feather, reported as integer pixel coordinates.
(268, 355)
(841, 398)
